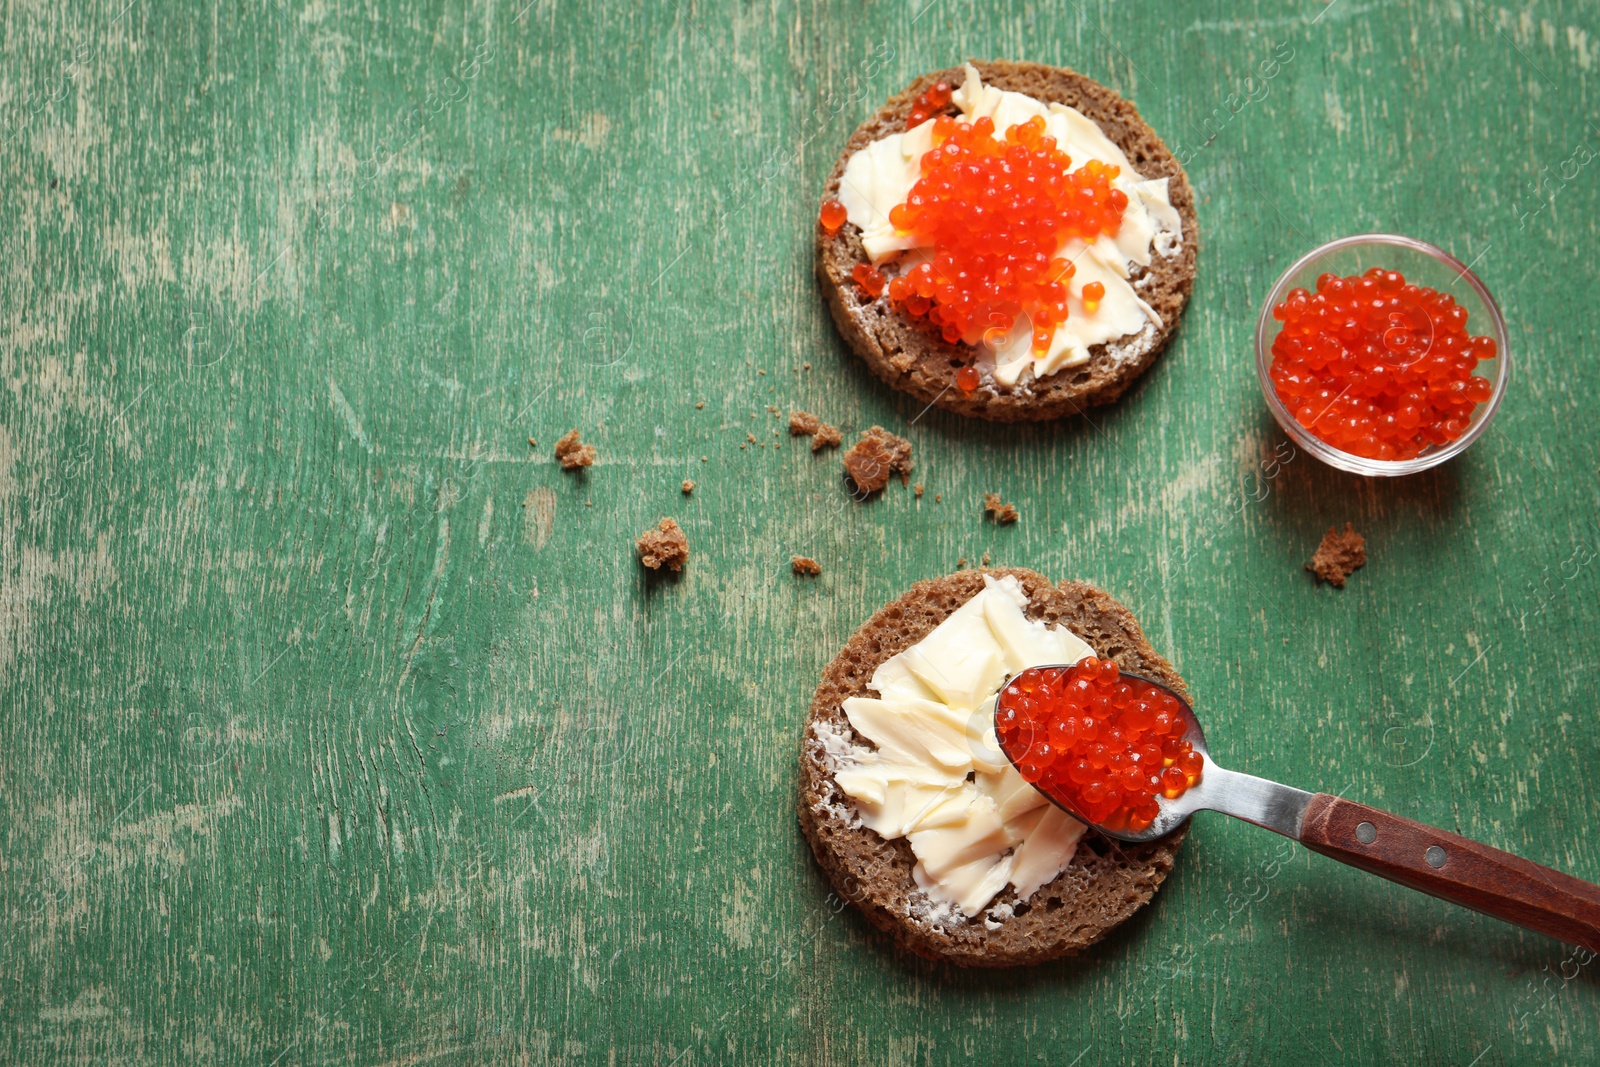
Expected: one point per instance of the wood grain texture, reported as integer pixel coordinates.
(1455, 868)
(339, 725)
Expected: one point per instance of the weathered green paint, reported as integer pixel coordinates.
(340, 726)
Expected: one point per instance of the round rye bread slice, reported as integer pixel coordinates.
(1107, 880)
(911, 356)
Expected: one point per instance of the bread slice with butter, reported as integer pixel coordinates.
(1103, 883)
(911, 356)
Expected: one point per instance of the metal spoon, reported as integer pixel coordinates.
(1413, 854)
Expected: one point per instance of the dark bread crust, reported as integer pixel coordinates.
(912, 357)
(1107, 880)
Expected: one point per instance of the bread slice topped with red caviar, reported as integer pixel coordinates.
(913, 811)
(1009, 241)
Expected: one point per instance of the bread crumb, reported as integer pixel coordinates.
(573, 453)
(805, 424)
(665, 546)
(532, 443)
(700, 405)
(961, 564)
(805, 565)
(752, 437)
(688, 486)
(805, 366)
(917, 489)
(985, 560)
(702, 459)
(938, 498)
(875, 456)
(1338, 555)
(1001, 512)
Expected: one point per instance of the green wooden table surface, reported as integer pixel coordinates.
(340, 725)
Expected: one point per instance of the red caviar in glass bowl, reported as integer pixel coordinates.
(1381, 355)
(1377, 367)
(1103, 744)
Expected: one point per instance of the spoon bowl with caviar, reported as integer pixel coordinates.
(1127, 756)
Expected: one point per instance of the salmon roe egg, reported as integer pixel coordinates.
(832, 216)
(967, 380)
(869, 278)
(1377, 367)
(928, 104)
(992, 213)
(1101, 743)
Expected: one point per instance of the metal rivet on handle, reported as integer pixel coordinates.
(1366, 833)
(1435, 856)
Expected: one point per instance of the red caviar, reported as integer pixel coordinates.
(1377, 367)
(928, 104)
(1103, 744)
(869, 278)
(995, 211)
(967, 380)
(832, 216)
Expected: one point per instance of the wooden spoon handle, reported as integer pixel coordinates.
(1455, 869)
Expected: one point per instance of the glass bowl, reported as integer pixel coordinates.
(1422, 264)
